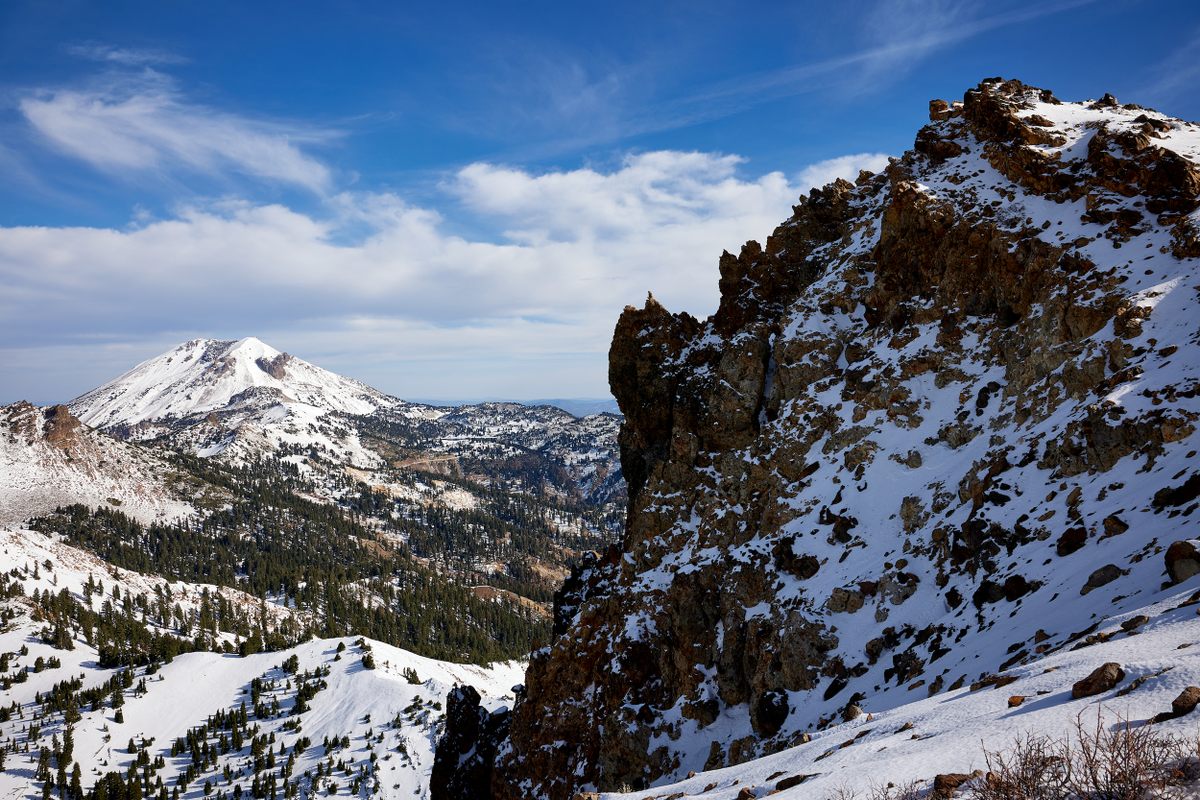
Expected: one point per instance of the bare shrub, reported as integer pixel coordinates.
(1122, 762)
(1036, 767)
(912, 790)
(1126, 761)
(842, 792)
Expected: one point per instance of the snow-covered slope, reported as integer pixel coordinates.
(48, 459)
(242, 399)
(950, 733)
(391, 714)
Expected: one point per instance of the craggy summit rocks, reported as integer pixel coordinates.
(931, 406)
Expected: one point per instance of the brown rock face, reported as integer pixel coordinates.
(61, 427)
(906, 399)
(275, 367)
(462, 766)
(1101, 680)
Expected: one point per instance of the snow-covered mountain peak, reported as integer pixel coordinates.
(206, 375)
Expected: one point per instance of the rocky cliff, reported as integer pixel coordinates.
(943, 423)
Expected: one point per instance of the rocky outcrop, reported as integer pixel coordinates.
(915, 393)
(462, 762)
(275, 366)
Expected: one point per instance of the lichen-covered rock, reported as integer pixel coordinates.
(928, 386)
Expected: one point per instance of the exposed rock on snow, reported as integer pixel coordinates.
(1100, 680)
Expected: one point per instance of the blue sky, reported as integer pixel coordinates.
(455, 200)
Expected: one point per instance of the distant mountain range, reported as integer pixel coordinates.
(242, 399)
(579, 406)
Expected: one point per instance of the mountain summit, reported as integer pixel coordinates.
(204, 375)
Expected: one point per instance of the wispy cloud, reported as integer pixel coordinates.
(138, 123)
(898, 32)
(124, 56)
(897, 35)
(1179, 72)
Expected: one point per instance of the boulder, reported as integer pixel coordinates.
(1186, 702)
(946, 784)
(1183, 560)
(790, 781)
(1102, 577)
(1101, 680)
(1071, 540)
(847, 600)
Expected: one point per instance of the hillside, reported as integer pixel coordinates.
(313, 715)
(499, 497)
(47, 459)
(941, 427)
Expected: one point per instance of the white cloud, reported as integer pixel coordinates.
(405, 302)
(141, 124)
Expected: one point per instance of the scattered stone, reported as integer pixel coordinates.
(1180, 495)
(1134, 623)
(1114, 526)
(1102, 679)
(1071, 540)
(1016, 700)
(789, 782)
(847, 600)
(994, 681)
